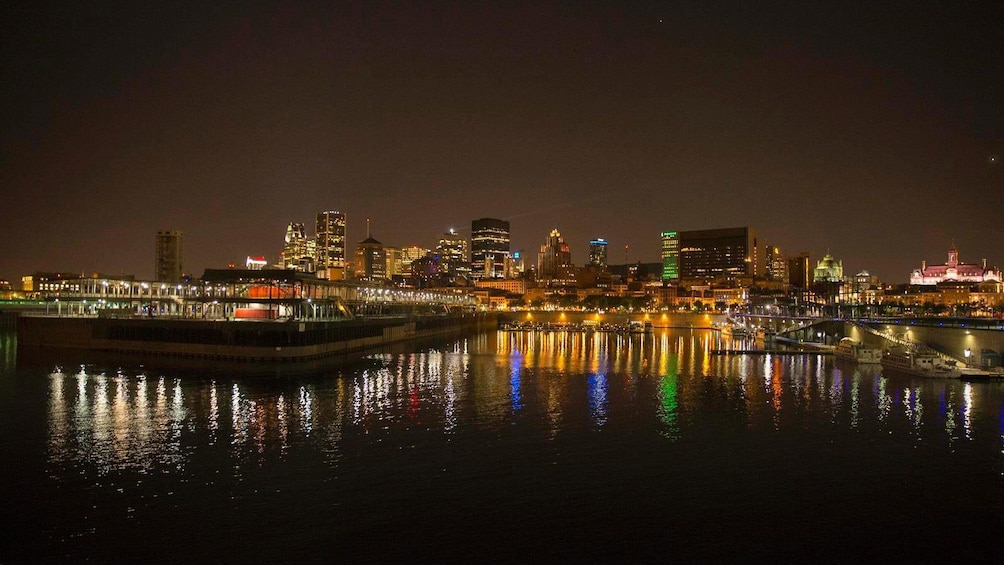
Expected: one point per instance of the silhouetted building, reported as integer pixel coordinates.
(729, 253)
(799, 273)
(489, 248)
(168, 268)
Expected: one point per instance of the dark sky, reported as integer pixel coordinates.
(867, 129)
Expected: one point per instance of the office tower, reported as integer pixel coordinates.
(371, 259)
(330, 241)
(168, 267)
(554, 262)
(598, 253)
(395, 264)
(727, 252)
(670, 254)
(777, 267)
(799, 274)
(409, 255)
(453, 258)
(294, 246)
(489, 248)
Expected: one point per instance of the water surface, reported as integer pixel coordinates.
(506, 446)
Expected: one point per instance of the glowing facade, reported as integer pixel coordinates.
(489, 248)
(330, 241)
(554, 262)
(954, 270)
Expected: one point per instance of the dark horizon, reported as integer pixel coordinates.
(873, 132)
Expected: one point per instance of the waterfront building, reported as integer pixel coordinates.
(799, 275)
(510, 286)
(330, 240)
(489, 248)
(728, 253)
(454, 264)
(828, 269)
(169, 249)
(955, 271)
(554, 262)
(598, 253)
(670, 255)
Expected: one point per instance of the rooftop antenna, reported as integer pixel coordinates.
(367, 228)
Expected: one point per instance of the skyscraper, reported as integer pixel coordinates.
(295, 247)
(799, 273)
(371, 260)
(777, 267)
(453, 261)
(598, 253)
(554, 262)
(670, 256)
(330, 232)
(727, 252)
(489, 248)
(168, 268)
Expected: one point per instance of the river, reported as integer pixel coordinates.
(503, 447)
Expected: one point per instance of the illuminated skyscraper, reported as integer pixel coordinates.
(777, 267)
(295, 247)
(330, 231)
(453, 259)
(168, 268)
(670, 256)
(489, 248)
(554, 262)
(409, 255)
(394, 262)
(598, 253)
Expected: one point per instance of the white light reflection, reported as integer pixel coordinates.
(967, 410)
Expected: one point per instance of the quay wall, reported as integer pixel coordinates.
(238, 340)
(658, 319)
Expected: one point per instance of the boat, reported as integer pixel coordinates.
(901, 360)
(853, 350)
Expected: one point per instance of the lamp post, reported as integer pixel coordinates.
(968, 354)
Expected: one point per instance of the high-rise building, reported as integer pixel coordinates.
(295, 247)
(489, 248)
(453, 258)
(728, 252)
(670, 254)
(409, 255)
(168, 266)
(777, 267)
(554, 262)
(394, 261)
(799, 271)
(371, 259)
(598, 253)
(330, 241)
(518, 262)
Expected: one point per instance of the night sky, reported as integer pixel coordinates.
(871, 131)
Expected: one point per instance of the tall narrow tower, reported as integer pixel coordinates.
(330, 231)
(168, 268)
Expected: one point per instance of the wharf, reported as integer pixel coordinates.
(771, 352)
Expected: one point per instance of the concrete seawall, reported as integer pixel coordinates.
(238, 341)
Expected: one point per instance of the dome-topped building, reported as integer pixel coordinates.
(828, 269)
(953, 270)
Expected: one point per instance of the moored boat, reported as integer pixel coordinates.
(912, 363)
(856, 351)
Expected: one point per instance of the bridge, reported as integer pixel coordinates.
(968, 341)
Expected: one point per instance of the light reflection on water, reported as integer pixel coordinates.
(669, 383)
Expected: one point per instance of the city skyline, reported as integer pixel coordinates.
(873, 134)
